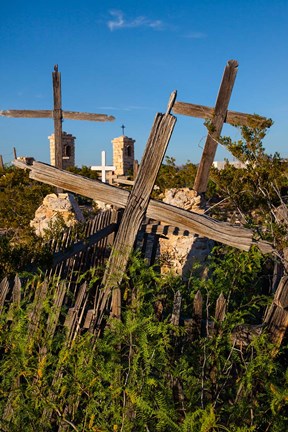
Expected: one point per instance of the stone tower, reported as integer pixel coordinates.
(123, 155)
(68, 150)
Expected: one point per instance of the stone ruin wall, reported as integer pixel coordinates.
(179, 253)
(68, 150)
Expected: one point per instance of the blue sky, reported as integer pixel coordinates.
(124, 58)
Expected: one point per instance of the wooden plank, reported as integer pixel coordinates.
(27, 113)
(54, 315)
(202, 175)
(4, 289)
(74, 115)
(123, 181)
(67, 115)
(175, 317)
(241, 238)
(38, 304)
(232, 117)
(276, 318)
(16, 298)
(135, 209)
(220, 310)
(57, 115)
(16, 293)
(81, 246)
(75, 314)
(198, 306)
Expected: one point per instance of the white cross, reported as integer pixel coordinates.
(103, 168)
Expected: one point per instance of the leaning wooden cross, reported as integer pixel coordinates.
(135, 211)
(58, 115)
(217, 116)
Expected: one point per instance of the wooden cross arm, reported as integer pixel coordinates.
(232, 117)
(74, 115)
(100, 168)
(66, 115)
(203, 225)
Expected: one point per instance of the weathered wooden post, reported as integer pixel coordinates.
(134, 211)
(276, 317)
(225, 91)
(57, 116)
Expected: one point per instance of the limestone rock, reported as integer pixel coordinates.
(53, 206)
(184, 198)
(102, 206)
(178, 252)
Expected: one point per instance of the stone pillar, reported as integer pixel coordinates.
(123, 155)
(68, 150)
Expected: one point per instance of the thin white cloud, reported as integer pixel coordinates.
(119, 21)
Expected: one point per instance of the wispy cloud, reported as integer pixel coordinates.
(119, 21)
(195, 35)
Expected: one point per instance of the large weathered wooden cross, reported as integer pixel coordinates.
(217, 116)
(58, 115)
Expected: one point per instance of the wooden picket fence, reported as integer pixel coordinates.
(71, 308)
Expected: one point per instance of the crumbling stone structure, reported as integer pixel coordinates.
(68, 150)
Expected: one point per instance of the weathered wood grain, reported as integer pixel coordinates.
(57, 115)
(135, 210)
(232, 117)
(220, 309)
(276, 318)
(75, 314)
(222, 232)
(198, 306)
(16, 293)
(26, 113)
(66, 115)
(54, 315)
(4, 289)
(38, 304)
(202, 175)
(175, 317)
(81, 246)
(74, 115)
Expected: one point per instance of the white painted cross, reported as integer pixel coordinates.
(103, 168)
